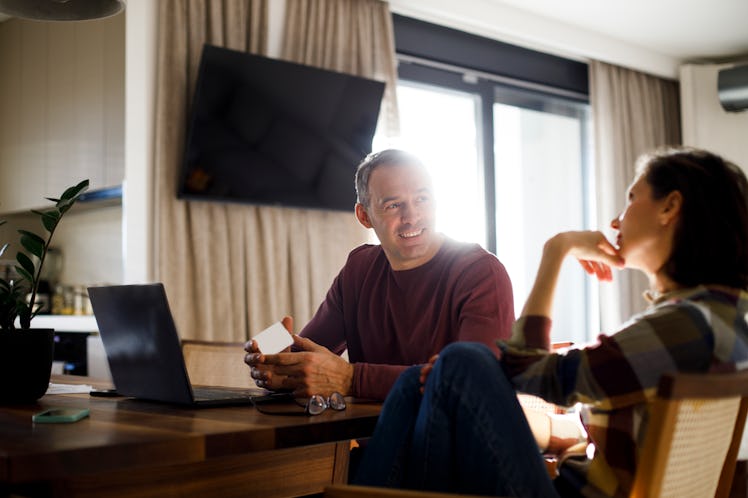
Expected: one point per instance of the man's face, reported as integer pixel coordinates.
(401, 212)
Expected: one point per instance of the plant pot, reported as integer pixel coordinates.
(25, 364)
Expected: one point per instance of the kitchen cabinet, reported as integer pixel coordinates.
(61, 108)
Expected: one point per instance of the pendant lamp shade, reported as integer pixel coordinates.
(61, 10)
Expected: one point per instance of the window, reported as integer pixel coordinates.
(440, 126)
(540, 170)
(510, 167)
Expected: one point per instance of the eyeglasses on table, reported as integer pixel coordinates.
(279, 404)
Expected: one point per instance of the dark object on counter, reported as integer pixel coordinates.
(25, 364)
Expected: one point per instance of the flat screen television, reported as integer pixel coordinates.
(266, 131)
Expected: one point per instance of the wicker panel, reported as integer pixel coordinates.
(703, 431)
(216, 364)
(534, 403)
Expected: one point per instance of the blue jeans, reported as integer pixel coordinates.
(467, 432)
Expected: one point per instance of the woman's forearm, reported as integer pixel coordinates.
(540, 300)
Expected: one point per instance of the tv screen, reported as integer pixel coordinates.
(266, 131)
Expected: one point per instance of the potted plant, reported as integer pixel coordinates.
(26, 354)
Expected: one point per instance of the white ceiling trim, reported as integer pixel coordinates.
(519, 27)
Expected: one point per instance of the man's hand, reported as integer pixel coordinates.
(426, 370)
(314, 370)
(254, 357)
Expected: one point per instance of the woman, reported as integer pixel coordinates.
(685, 226)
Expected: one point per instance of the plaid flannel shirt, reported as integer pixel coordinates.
(701, 329)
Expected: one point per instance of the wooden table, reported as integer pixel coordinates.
(137, 448)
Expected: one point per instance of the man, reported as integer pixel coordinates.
(395, 304)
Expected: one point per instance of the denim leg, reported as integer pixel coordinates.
(471, 435)
(384, 459)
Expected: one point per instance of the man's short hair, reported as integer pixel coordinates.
(392, 157)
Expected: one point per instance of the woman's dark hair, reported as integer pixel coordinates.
(710, 243)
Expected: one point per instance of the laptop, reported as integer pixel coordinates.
(144, 352)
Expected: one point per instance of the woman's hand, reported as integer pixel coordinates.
(593, 251)
(426, 370)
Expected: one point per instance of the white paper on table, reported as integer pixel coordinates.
(68, 388)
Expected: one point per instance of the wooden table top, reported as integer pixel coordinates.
(122, 433)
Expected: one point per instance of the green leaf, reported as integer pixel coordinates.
(13, 305)
(32, 242)
(74, 192)
(26, 262)
(25, 274)
(68, 198)
(49, 218)
(24, 315)
(64, 204)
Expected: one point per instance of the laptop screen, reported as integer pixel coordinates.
(141, 342)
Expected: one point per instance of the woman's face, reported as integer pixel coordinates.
(644, 238)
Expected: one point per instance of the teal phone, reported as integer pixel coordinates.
(60, 415)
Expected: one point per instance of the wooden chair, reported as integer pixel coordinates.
(216, 363)
(694, 434)
(690, 449)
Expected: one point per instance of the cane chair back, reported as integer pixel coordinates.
(216, 363)
(694, 433)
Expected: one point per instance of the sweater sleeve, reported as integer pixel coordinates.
(486, 303)
(374, 381)
(484, 308)
(619, 370)
(327, 326)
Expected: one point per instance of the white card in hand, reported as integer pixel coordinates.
(273, 339)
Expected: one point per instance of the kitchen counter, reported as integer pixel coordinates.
(66, 323)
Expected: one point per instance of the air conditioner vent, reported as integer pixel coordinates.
(732, 85)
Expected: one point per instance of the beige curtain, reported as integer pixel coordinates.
(199, 246)
(633, 113)
(230, 270)
(349, 36)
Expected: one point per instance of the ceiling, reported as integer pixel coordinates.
(654, 36)
(686, 29)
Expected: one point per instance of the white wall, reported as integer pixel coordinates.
(705, 123)
(90, 239)
(140, 88)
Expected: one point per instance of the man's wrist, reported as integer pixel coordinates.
(348, 380)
